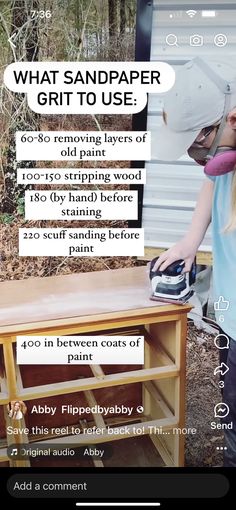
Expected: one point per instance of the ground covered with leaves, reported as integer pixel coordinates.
(202, 395)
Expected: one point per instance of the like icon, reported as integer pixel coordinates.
(221, 305)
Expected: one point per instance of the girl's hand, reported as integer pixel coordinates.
(186, 249)
(183, 250)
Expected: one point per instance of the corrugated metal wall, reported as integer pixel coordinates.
(172, 188)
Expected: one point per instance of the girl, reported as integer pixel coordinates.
(200, 118)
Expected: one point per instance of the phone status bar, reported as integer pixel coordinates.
(192, 17)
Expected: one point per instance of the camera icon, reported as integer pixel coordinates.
(196, 40)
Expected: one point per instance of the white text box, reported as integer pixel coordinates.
(81, 205)
(81, 242)
(83, 145)
(81, 176)
(88, 87)
(80, 350)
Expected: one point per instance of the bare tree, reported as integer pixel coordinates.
(25, 32)
(122, 16)
(113, 19)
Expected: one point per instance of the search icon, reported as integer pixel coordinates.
(171, 40)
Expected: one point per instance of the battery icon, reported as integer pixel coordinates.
(208, 14)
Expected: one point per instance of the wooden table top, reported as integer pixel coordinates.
(78, 295)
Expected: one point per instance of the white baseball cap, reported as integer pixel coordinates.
(203, 94)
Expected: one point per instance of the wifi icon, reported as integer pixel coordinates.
(191, 13)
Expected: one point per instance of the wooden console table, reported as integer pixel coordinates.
(106, 302)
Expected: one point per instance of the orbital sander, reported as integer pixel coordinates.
(172, 285)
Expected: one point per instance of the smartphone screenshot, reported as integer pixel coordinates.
(117, 249)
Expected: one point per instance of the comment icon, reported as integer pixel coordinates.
(221, 341)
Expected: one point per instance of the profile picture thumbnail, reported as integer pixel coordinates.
(16, 409)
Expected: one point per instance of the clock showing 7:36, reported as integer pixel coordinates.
(40, 14)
